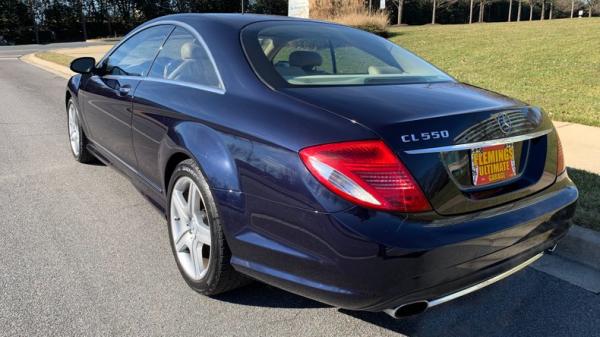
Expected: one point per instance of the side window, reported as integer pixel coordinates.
(184, 58)
(134, 57)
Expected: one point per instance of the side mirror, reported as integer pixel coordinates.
(83, 65)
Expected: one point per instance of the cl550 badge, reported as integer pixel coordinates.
(425, 136)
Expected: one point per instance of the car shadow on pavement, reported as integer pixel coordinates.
(95, 162)
(263, 295)
(530, 304)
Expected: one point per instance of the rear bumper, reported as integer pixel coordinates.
(407, 309)
(481, 285)
(367, 260)
(465, 285)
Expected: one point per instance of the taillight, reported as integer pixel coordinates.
(367, 173)
(560, 159)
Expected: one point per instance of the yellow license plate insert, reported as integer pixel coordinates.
(492, 164)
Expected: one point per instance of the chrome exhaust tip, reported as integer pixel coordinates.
(408, 309)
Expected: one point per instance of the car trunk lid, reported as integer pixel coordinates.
(448, 133)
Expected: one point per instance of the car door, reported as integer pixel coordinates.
(183, 84)
(109, 92)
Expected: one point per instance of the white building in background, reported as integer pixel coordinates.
(299, 8)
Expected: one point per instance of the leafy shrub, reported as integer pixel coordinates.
(350, 12)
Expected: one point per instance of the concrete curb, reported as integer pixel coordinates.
(581, 245)
(54, 68)
(105, 40)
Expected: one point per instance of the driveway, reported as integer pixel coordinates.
(83, 253)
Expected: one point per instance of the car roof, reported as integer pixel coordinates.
(232, 20)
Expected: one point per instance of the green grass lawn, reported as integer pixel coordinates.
(588, 207)
(61, 59)
(554, 64)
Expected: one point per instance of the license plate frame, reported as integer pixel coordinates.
(492, 164)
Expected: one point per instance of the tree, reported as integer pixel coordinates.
(563, 8)
(481, 10)
(277, 7)
(26, 21)
(400, 5)
(35, 10)
(63, 18)
(471, 12)
(531, 3)
(440, 4)
(106, 15)
(14, 15)
(82, 20)
(591, 4)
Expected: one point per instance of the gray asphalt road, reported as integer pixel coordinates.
(82, 253)
(9, 52)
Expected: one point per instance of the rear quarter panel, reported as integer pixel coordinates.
(246, 144)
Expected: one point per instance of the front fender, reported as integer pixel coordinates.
(73, 87)
(72, 91)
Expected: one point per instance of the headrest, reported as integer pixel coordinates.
(305, 59)
(190, 50)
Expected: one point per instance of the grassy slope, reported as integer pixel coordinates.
(554, 64)
(588, 207)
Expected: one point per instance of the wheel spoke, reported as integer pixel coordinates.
(196, 255)
(203, 234)
(73, 130)
(184, 241)
(193, 202)
(181, 206)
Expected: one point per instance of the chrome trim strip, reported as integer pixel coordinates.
(484, 143)
(159, 80)
(484, 283)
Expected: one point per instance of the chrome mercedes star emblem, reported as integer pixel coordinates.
(504, 122)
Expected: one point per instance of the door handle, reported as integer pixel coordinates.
(124, 90)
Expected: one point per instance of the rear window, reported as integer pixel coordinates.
(288, 54)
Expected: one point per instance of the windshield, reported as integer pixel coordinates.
(317, 54)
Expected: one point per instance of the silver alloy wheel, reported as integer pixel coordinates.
(190, 228)
(74, 129)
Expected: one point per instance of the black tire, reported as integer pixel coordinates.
(84, 155)
(220, 276)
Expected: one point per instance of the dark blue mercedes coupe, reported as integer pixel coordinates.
(321, 159)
